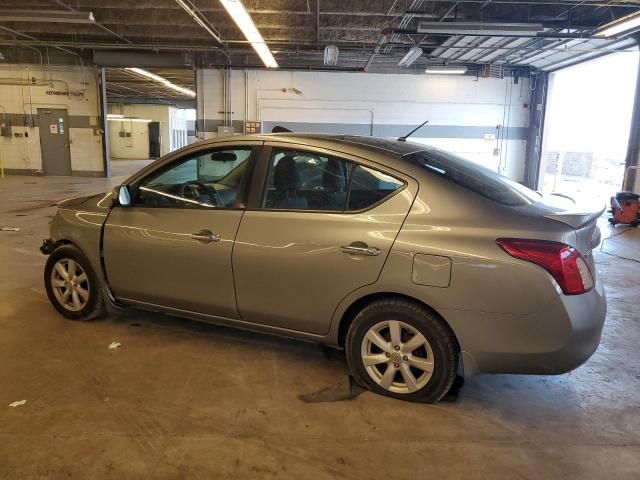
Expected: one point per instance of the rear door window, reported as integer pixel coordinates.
(299, 180)
(369, 186)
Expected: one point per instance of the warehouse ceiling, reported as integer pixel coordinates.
(371, 35)
(124, 86)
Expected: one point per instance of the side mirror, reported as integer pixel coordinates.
(121, 196)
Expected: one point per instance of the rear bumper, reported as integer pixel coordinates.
(556, 340)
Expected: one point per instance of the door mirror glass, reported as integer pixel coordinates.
(121, 196)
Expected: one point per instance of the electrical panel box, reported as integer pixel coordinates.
(252, 127)
(224, 130)
(5, 128)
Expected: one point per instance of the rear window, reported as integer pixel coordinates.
(474, 177)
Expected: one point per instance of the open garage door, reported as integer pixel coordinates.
(586, 132)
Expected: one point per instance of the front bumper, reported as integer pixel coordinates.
(48, 246)
(557, 339)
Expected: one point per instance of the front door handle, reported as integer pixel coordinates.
(206, 236)
(359, 248)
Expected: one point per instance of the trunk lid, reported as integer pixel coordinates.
(580, 216)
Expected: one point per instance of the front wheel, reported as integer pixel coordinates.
(72, 285)
(399, 348)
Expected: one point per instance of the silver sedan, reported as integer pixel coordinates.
(420, 264)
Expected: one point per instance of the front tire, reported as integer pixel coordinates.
(401, 349)
(71, 284)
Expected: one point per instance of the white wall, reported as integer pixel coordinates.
(136, 147)
(177, 128)
(23, 89)
(460, 110)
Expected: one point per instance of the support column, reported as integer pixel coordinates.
(537, 108)
(633, 150)
(104, 124)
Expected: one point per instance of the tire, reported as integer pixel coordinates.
(438, 352)
(87, 303)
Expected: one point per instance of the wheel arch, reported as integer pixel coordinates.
(357, 305)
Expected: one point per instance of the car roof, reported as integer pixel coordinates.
(391, 147)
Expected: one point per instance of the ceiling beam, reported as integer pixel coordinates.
(98, 24)
(35, 40)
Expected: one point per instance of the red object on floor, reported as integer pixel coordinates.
(625, 209)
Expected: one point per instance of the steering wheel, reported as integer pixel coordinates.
(196, 190)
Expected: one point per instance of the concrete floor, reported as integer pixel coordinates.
(185, 400)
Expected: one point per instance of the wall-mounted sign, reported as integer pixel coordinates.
(53, 128)
(58, 93)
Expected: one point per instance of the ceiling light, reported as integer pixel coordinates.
(331, 55)
(446, 71)
(622, 25)
(411, 56)
(243, 20)
(49, 16)
(163, 81)
(114, 116)
(193, 13)
(473, 28)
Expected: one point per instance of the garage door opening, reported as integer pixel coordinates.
(587, 123)
(151, 112)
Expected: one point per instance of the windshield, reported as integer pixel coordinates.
(474, 177)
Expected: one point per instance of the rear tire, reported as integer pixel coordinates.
(72, 286)
(401, 349)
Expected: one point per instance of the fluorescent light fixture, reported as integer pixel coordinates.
(127, 119)
(622, 25)
(49, 16)
(193, 13)
(331, 55)
(473, 28)
(411, 56)
(446, 71)
(113, 116)
(162, 80)
(243, 20)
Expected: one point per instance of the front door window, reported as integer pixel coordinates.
(203, 180)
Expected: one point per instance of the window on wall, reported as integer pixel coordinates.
(209, 180)
(299, 180)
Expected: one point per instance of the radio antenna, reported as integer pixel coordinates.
(404, 139)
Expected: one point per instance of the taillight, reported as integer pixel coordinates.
(563, 262)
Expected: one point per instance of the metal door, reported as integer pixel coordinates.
(177, 258)
(154, 139)
(54, 141)
(292, 268)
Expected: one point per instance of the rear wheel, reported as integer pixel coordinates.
(399, 348)
(72, 285)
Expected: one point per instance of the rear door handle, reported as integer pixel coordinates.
(206, 236)
(360, 250)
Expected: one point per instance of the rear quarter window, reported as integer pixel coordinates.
(474, 177)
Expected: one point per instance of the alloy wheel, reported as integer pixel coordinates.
(70, 284)
(397, 356)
